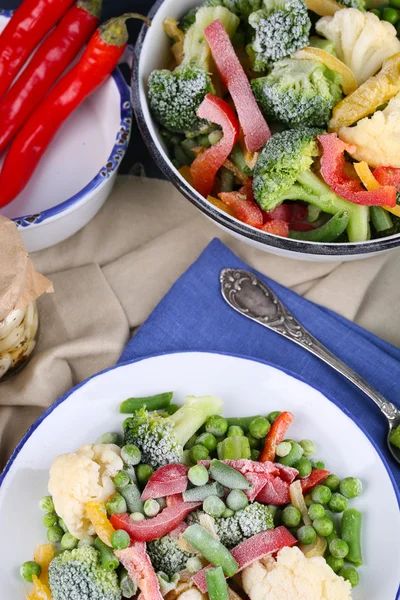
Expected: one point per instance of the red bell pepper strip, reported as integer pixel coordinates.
(333, 172)
(151, 529)
(276, 492)
(288, 474)
(388, 176)
(207, 164)
(245, 210)
(29, 25)
(101, 56)
(255, 548)
(276, 435)
(258, 482)
(315, 478)
(49, 62)
(137, 562)
(280, 228)
(255, 128)
(166, 481)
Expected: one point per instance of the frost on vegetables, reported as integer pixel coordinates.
(202, 513)
(249, 77)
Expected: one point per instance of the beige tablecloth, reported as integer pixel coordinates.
(111, 275)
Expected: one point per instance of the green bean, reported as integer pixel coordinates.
(227, 179)
(227, 476)
(156, 402)
(200, 493)
(326, 233)
(211, 549)
(198, 475)
(234, 448)
(242, 422)
(351, 533)
(237, 157)
(380, 218)
(216, 584)
(237, 500)
(30, 568)
(131, 495)
(61, 523)
(293, 457)
(172, 408)
(108, 560)
(127, 585)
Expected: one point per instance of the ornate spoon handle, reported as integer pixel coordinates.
(248, 295)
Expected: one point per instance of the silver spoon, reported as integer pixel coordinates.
(248, 295)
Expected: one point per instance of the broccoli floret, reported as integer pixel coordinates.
(283, 172)
(175, 96)
(161, 439)
(166, 556)
(241, 8)
(280, 28)
(323, 44)
(78, 574)
(242, 525)
(360, 4)
(298, 92)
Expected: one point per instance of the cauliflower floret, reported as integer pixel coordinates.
(377, 139)
(362, 41)
(81, 477)
(293, 575)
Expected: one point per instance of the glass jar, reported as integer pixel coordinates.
(18, 334)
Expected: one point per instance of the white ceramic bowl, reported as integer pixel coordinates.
(79, 169)
(152, 52)
(246, 387)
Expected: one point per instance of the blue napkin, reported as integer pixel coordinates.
(194, 316)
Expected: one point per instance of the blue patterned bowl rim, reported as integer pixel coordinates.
(112, 164)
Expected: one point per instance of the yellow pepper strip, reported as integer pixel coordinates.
(249, 157)
(324, 8)
(377, 90)
(243, 178)
(97, 514)
(172, 30)
(370, 183)
(219, 204)
(186, 174)
(40, 592)
(44, 554)
(349, 82)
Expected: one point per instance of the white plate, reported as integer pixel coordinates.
(247, 387)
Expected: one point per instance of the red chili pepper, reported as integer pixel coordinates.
(333, 171)
(25, 30)
(207, 164)
(49, 62)
(388, 176)
(255, 128)
(280, 228)
(315, 478)
(245, 210)
(137, 562)
(101, 56)
(276, 435)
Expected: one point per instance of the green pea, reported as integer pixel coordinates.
(208, 440)
(194, 564)
(234, 430)
(46, 504)
(86, 541)
(376, 12)
(335, 563)
(316, 511)
(350, 573)
(323, 527)
(30, 568)
(338, 503)
(391, 15)
(151, 508)
(50, 519)
(293, 457)
(308, 499)
(272, 417)
(122, 479)
(259, 427)
(255, 454)
(116, 505)
(68, 541)
(191, 442)
(321, 494)
(198, 475)
(137, 516)
(62, 524)
(214, 506)
(338, 548)
(110, 438)
(198, 452)
(304, 467)
(317, 464)
(228, 512)
(309, 447)
(283, 449)
(131, 455)
(351, 487)
(55, 534)
(217, 425)
(254, 443)
(143, 473)
(120, 539)
(237, 500)
(306, 534)
(332, 482)
(291, 516)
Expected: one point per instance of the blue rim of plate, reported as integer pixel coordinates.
(51, 408)
(234, 226)
(108, 169)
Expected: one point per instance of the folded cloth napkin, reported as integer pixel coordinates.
(194, 316)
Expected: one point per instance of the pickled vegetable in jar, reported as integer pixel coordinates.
(18, 334)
